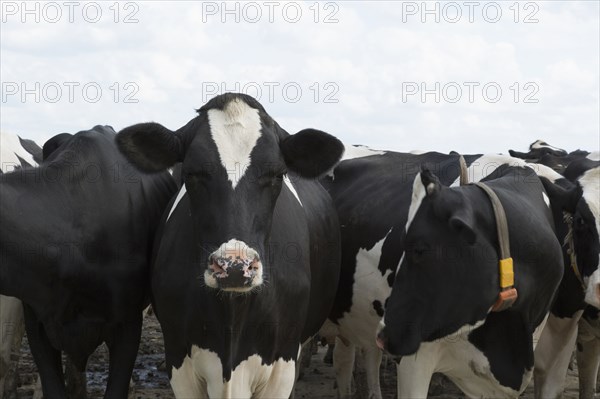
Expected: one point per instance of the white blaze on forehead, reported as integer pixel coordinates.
(289, 185)
(10, 151)
(235, 130)
(180, 195)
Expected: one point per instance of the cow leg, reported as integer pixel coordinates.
(372, 358)
(414, 374)
(588, 358)
(343, 363)
(12, 329)
(47, 358)
(123, 348)
(552, 355)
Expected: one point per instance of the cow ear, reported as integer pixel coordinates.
(311, 153)
(151, 147)
(54, 143)
(430, 181)
(462, 224)
(562, 199)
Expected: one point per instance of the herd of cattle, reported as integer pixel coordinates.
(248, 241)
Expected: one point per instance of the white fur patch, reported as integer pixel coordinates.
(10, 147)
(488, 163)
(201, 376)
(594, 156)
(590, 184)
(546, 199)
(458, 359)
(360, 323)
(289, 185)
(235, 131)
(359, 151)
(418, 194)
(180, 194)
(542, 144)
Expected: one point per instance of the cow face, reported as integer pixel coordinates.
(447, 277)
(235, 160)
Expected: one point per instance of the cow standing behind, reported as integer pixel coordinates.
(576, 199)
(15, 154)
(247, 261)
(82, 272)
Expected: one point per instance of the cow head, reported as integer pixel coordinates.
(235, 158)
(582, 202)
(447, 277)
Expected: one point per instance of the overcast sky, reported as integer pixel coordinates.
(467, 76)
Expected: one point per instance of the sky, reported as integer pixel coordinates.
(469, 76)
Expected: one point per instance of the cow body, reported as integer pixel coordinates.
(438, 315)
(82, 274)
(247, 260)
(15, 154)
(372, 191)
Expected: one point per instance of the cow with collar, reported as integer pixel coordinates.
(16, 153)
(247, 260)
(372, 191)
(76, 240)
(447, 311)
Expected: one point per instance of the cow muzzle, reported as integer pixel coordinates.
(235, 266)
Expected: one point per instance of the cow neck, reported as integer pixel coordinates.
(508, 293)
(568, 218)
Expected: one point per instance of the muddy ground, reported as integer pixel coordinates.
(318, 381)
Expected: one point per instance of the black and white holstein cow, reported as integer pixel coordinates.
(576, 208)
(372, 192)
(247, 262)
(15, 154)
(76, 239)
(441, 315)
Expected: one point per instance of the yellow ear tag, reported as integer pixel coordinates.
(507, 274)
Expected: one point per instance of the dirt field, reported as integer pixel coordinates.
(151, 383)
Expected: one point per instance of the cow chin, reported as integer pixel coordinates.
(592, 295)
(234, 267)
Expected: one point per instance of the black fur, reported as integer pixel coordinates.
(151, 147)
(311, 152)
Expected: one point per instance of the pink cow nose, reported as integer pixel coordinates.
(234, 266)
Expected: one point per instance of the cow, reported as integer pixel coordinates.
(372, 190)
(247, 260)
(553, 157)
(448, 311)
(15, 153)
(579, 204)
(76, 240)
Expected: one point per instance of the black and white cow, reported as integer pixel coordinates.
(15, 154)
(247, 262)
(76, 240)
(581, 202)
(439, 316)
(372, 191)
(553, 157)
